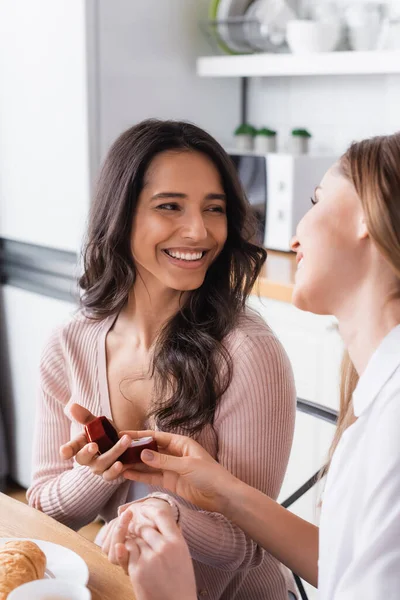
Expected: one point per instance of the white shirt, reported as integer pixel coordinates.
(359, 548)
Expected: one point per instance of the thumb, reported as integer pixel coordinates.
(81, 414)
(164, 462)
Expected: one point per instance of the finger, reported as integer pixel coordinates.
(104, 461)
(119, 535)
(70, 449)
(87, 455)
(105, 546)
(137, 522)
(174, 444)
(153, 538)
(114, 471)
(165, 462)
(81, 414)
(137, 549)
(133, 550)
(122, 555)
(163, 520)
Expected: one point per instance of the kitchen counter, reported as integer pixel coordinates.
(277, 278)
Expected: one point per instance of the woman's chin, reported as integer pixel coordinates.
(186, 286)
(307, 299)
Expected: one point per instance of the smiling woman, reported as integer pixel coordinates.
(178, 234)
(164, 341)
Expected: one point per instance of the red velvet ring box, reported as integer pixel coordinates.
(105, 436)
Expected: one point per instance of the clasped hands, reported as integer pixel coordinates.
(144, 538)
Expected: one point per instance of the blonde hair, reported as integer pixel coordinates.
(373, 167)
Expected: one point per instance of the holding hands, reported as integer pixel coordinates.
(182, 465)
(147, 543)
(186, 469)
(145, 540)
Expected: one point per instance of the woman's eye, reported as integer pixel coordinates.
(168, 206)
(217, 209)
(313, 201)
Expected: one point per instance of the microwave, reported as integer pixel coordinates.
(279, 188)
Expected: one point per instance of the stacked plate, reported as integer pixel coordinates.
(244, 26)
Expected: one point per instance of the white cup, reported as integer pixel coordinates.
(50, 589)
(364, 26)
(306, 37)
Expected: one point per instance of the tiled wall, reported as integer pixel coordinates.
(336, 109)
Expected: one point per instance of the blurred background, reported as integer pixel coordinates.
(284, 85)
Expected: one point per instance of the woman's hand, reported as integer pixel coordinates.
(185, 468)
(140, 514)
(87, 454)
(157, 560)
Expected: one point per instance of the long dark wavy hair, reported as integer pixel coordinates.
(190, 365)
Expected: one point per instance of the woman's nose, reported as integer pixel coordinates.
(194, 227)
(294, 243)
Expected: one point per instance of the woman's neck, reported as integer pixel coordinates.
(148, 308)
(365, 319)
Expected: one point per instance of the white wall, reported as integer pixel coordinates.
(44, 157)
(336, 109)
(147, 68)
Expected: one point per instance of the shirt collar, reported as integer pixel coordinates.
(380, 368)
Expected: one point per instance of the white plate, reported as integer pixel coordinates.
(62, 563)
(230, 34)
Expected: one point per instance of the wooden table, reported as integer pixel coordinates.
(106, 582)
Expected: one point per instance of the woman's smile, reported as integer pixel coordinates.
(186, 258)
(180, 225)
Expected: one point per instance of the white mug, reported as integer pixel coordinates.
(44, 589)
(306, 37)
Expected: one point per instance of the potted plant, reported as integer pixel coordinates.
(244, 137)
(300, 141)
(265, 140)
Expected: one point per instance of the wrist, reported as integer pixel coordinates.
(166, 498)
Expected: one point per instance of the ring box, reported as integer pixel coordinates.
(102, 432)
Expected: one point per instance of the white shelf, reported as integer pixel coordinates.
(280, 65)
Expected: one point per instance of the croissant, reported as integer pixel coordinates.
(21, 561)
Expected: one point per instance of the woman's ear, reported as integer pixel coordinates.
(363, 233)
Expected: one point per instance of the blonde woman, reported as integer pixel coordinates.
(348, 254)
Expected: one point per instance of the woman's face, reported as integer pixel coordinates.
(330, 243)
(180, 225)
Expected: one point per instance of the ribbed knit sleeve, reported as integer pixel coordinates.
(62, 489)
(254, 427)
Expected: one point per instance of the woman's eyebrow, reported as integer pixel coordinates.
(213, 196)
(168, 195)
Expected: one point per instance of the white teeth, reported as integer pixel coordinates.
(185, 255)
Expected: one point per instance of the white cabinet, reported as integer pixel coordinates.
(315, 350)
(73, 76)
(27, 319)
(314, 347)
(44, 136)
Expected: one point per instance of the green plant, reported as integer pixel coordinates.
(266, 132)
(245, 129)
(301, 133)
